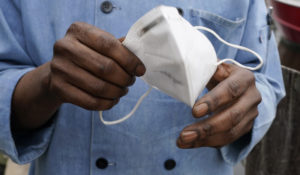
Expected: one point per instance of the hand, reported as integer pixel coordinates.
(92, 69)
(232, 100)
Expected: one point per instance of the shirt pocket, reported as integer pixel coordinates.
(231, 30)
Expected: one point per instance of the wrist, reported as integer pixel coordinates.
(33, 104)
(45, 89)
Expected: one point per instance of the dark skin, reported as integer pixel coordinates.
(92, 69)
(233, 100)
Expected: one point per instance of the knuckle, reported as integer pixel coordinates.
(108, 67)
(256, 112)
(255, 97)
(250, 126)
(124, 92)
(251, 77)
(235, 116)
(107, 42)
(59, 45)
(232, 134)
(101, 88)
(248, 76)
(96, 88)
(234, 88)
(131, 81)
(55, 65)
(214, 102)
(259, 98)
(94, 104)
(74, 27)
(101, 69)
(59, 68)
(130, 63)
(205, 130)
(118, 92)
(64, 47)
(55, 88)
(99, 66)
(103, 104)
(109, 104)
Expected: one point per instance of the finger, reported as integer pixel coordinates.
(86, 81)
(224, 138)
(225, 92)
(222, 121)
(222, 72)
(71, 94)
(230, 136)
(99, 65)
(106, 44)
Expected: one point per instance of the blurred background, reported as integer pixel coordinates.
(279, 152)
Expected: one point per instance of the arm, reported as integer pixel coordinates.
(33, 105)
(91, 71)
(30, 94)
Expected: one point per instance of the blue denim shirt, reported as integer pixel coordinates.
(76, 138)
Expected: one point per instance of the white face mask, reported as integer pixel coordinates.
(179, 59)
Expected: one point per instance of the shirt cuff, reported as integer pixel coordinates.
(21, 148)
(238, 150)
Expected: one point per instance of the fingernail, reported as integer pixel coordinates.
(188, 136)
(200, 110)
(181, 145)
(140, 70)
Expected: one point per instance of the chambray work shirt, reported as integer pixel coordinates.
(76, 139)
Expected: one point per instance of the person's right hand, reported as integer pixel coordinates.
(91, 68)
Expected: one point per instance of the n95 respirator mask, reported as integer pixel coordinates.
(179, 59)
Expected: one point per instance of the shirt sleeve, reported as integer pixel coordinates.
(269, 80)
(14, 63)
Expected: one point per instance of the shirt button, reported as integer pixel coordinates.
(101, 163)
(170, 164)
(106, 7)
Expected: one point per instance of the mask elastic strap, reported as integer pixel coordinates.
(129, 114)
(220, 62)
(234, 46)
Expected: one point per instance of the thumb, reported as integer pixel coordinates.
(222, 72)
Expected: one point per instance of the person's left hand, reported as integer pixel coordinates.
(233, 100)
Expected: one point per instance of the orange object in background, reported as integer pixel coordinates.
(287, 15)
